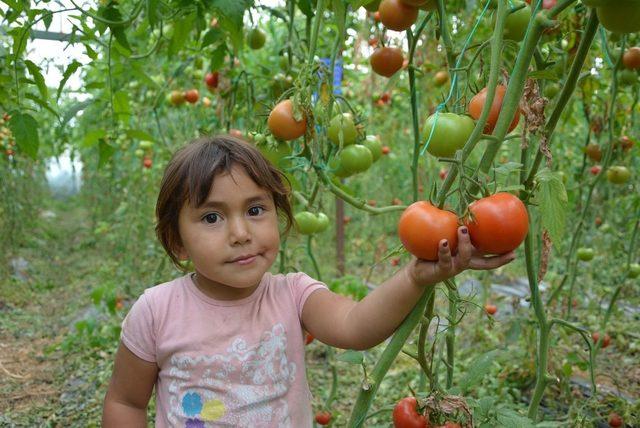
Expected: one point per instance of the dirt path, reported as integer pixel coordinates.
(36, 309)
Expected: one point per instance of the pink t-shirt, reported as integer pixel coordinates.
(225, 363)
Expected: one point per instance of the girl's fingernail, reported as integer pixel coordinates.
(465, 230)
(446, 244)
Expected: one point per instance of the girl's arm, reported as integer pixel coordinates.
(125, 404)
(339, 321)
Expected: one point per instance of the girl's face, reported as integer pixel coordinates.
(233, 238)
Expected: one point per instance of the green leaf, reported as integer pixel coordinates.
(181, 29)
(231, 13)
(111, 13)
(139, 135)
(47, 18)
(509, 418)
(553, 203)
(93, 136)
(25, 130)
(37, 76)
(339, 10)
(20, 37)
(74, 109)
(217, 58)
(71, 68)
(121, 106)
(42, 103)
(351, 357)
(152, 13)
(479, 368)
(105, 152)
(306, 7)
(211, 37)
(508, 168)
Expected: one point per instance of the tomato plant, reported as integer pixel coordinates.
(477, 103)
(405, 414)
(386, 61)
(422, 226)
(498, 223)
(283, 124)
(448, 132)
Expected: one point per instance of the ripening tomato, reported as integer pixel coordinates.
(422, 226)
(595, 170)
(176, 98)
(386, 150)
(211, 79)
(283, 124)
(606, 340)
(397, 16)
(490, 309)
(626, 143)
(323, 418)
(593, 152)
(405, 414)
(477, 102)
(191, 96)
(499, 223)
(631, 58)
(386, 61)
(147, 162)
(450, 133)
(621, 16)
(546, 4)
(615, 420)
(342, 127)
(618, 174)
(441, 77)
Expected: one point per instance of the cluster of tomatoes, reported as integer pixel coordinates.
(497, 224)
(191, 96)
(7, 142)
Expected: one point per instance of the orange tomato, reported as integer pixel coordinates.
(396, 15)
(386, 61)
(422, 226)
(283, 125)
(478, 101)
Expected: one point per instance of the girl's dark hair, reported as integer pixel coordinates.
(190, 175)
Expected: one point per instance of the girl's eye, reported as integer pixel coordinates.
(254, 211)
(210, 218)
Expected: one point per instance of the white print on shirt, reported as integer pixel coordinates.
(245, 387)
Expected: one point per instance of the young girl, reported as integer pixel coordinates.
(223, 346)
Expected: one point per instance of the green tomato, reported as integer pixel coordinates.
(620, 16)
(373, 143)
(450, 133)
(551, 90)
(146, 144)
(342, 126)
(355, 158)
(337, 168)
(515, 26)
(275, 153)
(139, 153)
(586, 254)
(306, 222)
(256, 38)
(618, 174)
(323, 222)
(628, 77)
(634, 270)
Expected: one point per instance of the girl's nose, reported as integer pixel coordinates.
(239, 231)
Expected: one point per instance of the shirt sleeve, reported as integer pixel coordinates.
(138, 333)
(301, 286)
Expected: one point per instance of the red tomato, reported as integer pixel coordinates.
(147, 162)
(283, 125)
(191, 96)
(422, 226)
(405, 414)
(595, 170)
(615, 421)
(490, 309)
(211, 79)
(397, 16)
(477, 102)
(386, 61)
(546, 4)
(606, 340)
(386, 150)
(323, 418)
(499, 223)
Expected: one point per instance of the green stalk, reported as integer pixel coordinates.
(313, 259)
(365, 397)
(451, 334)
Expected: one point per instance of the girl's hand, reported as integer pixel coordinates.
(424, 272)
